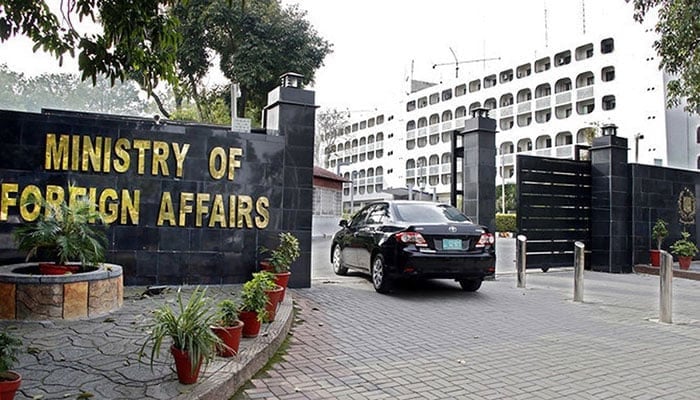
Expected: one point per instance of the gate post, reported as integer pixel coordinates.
(479, 169)
(521, 259)
(666, 288)
(610, 211)
(579, 262)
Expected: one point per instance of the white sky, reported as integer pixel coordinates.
(375, 41)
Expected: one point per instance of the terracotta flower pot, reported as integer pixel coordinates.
(57, 269)
(655, 256)
(10, 386)
(251, 325)
(274, 297)
(265, 265)
(684, 261)
(183, 366)
(231, 336)
(282, 279)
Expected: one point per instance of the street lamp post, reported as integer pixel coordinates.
(637, 138)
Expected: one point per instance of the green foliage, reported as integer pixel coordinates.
(684, 247)
(506, 222)
(253, 296)
(9, 346)
(659, 232)
(678, 47)
(227, 312)
(65, 231)
(136, 37)
(286, 252)
(511, 199)
(329, 124)
(188, 326)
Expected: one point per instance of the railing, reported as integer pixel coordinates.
(447, 125)
(363, 149)
(434, 170)
(370, 147)
(411, 134)
(584, 93)
(422, 132)
(379, 145)
(378, 180)
(524, 107)
(543, 102)
(563, 98)
(459, 123)
(434, 128)
(506, 111)
(543, 152)
(410, 172)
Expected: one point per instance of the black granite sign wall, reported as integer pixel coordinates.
(187, 203)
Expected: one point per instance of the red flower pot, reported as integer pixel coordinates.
(655, 256)
(274, 296)
(684, 261)
(251, 325)
(282, 279)
(183, 366)
(9, 383)
(57, 269)
(231, 336)
(265, 265)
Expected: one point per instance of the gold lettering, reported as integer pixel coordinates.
(120, 151)
(130, 207)
(180, 157)
(232, 211)
(106, 165)
(30, 197)
(56, 155)
(245, 209)
(54, 197)
(74, 192)
(7, 200)
(166, 211)
(161, 151)
(217, 156)
(92, 154)
(218, 212)
(202, 208)
(233, 162)
(141, 146)
(108, 207)
(75, 153)
(185, 207)
(92, 195)
(263, 217)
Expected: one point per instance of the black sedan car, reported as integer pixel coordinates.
(414, 239)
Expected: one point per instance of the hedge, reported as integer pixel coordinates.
(505, 222)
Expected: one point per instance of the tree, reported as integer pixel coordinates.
(511, 200)
(678, 46)
(136, 36)
(328, 128)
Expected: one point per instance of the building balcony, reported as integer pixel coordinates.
(563, 98)
(447, 126)
(543, 102)
(506, 111)
(434, 128)
(584, 93)
(411, 134)
(422, 132)
(524, 107)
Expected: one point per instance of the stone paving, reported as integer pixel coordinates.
(433, 341)
(98, 358)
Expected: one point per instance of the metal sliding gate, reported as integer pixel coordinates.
(554, 209)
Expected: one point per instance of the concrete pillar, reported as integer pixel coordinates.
(610, 212)
(479, 169)
(291, 113)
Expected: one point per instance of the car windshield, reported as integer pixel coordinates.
(428, 212)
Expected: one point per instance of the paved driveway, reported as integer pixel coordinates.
(433, 341)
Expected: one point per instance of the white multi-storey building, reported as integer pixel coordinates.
(544, 105)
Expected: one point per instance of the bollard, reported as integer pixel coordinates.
(666, 281)
(521, 261)
(579, 260)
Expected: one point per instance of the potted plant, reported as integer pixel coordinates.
(253, 309)
(228, 328)
(658, 233)
(65, 232)
(193, 342)
(9, 380)
(281, 259)
(685, 249)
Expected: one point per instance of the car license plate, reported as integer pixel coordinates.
(451, 244)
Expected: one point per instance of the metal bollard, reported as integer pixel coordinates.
(521, 261)
(666, 286)
(579, 262)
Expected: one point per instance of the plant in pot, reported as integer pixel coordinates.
(66, 233)
(253, 308)
(193, 342)
(685, 250)
(9, 380)
(228, 328)
(658, 233)
(282, 257)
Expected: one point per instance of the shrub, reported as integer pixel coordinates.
(506, 222)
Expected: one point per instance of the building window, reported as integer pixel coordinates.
(490, 81)
(434, 98)
(474, 106)
(506, 100)
(461, 90)
(584, 52)
(410, 144)
(607, 45)
(446, 94)
(523, 71)
(608, 102)
(562, 85)
(422, 142)
(697, 134)
(608, 74)
(506, 76)
(490, 103)
(422, 102)
(474, 86)
(562, 58)
(541, 65)
(506, 123)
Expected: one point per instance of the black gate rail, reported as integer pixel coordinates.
(554, 208)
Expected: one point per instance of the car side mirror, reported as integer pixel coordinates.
(343, 223)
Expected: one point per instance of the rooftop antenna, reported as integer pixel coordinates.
(546, 28)
(457, 61)
(583, 15)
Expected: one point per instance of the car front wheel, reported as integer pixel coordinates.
(470, 285)
(380, 281)
(338, 267)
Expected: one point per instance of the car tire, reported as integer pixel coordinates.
(380, 281)
(470, 285)
(338, 267)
